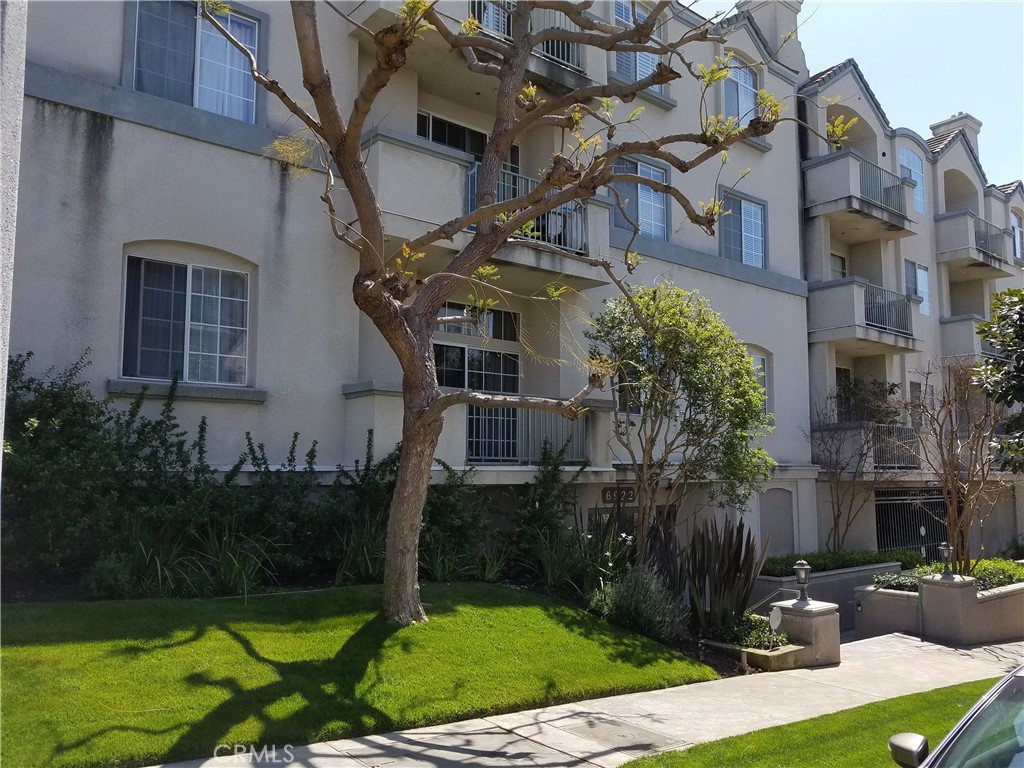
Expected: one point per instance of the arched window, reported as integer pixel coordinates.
(741, 91)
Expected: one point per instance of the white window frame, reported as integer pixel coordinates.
(204, 27)
(643, 64)
(467, 348)
(763, 373)
(920, 286)
(742, 85)
(912, 167)
(186, 376)
(470, 327)
(844, 269)
(650, 201)
(1017, 232)
(748, 237)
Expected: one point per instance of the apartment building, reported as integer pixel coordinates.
(155, 232)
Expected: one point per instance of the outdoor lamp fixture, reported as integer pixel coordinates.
(803, 572)
(946, 552)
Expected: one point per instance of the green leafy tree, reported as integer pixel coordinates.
(690, 410)
(1002, 377)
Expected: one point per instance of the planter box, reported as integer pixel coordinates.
(829, 586)
(786, 657)
(951, 611)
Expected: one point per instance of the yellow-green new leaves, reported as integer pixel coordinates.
(217, 8)
(470, 26)
(296, 151)
(411, 13)
(837, 131)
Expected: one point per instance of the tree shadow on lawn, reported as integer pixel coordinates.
(619, 644)
(333, 695)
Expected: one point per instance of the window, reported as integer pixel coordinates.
(743, 235)
(498, 324)
(180, 57)
(838, 266)
(1017, 227)
(761, 371)
(187, 321)
(628, 397)
(442, 131)
(741, 92)
(495, 17)
(912, 167)
(642, 204)
(634, 65)
(915, 278)
(481, 369)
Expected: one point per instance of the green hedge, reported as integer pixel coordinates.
(782, 565)
(991, 573)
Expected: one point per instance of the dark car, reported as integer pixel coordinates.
(991, 734)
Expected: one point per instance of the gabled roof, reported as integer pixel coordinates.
(944, 141)
(821, 79)
(1009, 189)
(938, 143)
(745, 19)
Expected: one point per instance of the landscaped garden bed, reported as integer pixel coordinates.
(139, 682)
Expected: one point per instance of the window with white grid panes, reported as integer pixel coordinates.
(187, 322)
(743, 231)
(634, 65)
(912, 167)
(741, 92)
(645, 206)
(181, 57)
(498, 324)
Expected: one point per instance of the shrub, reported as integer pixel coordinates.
(751, 631)
(641, 601)
(453, 530)
(897, 581)
(721, 568)
(990, 573)
(782, 565)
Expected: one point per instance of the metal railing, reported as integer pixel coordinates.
(565, 226)
(988, 349)
(496, 18)
(894, 446)
(517, 435)
(910, 518)
(887, 310)
(989, 238)
(882, 187)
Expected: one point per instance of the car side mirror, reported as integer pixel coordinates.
(908, 749)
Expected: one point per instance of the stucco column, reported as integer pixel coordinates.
(947, 608)
(13, 18)
(814, 625)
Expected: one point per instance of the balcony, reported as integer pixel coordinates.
(496, 18)
(564, 227)
(864, 201)
(971, 248)
(856, 447)
(557, 66)
(516, 436)
(860, 318)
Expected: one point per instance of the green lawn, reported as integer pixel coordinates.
(854, 738)
(137, 682)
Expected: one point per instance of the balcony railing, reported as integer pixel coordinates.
(882, 187)
(989, 238)
(516, 436)
(886, 310)
(895, 446)
(565, 226)
(988, 349)
(496, 18)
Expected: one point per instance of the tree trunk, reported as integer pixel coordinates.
(420, 436)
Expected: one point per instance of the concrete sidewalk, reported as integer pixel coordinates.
(608, 732)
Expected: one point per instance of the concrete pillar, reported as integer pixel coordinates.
(948, 608)
(13, 20)
(814, 625)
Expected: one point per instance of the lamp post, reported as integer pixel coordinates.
(946, 552)
(803, 572)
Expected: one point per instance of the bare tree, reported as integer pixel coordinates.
(958, 440)
(404, 307)
(858, 442)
